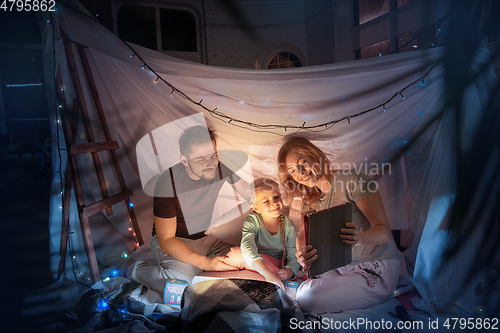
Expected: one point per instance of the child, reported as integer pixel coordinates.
(268, 240)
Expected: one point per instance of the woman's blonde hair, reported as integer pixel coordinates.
(321, 165)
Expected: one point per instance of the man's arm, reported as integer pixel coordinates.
(171, 245)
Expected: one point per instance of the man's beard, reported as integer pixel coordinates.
(207, 174)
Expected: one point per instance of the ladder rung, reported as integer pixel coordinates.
(108, 202)
(82, 148)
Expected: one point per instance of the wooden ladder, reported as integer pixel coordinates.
(72, 177)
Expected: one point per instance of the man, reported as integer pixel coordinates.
(180, 248)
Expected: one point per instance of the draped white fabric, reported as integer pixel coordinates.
(135, 105)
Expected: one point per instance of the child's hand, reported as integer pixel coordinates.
(284, 274)
(274, 279)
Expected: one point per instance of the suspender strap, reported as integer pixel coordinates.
(172, 179)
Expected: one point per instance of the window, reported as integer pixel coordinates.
(283, 60)
(173, 31)
(392, 26)
(374, 50)
(413, 39)
(178, 30)
(402, 3)
(370, 9)
(136, 24)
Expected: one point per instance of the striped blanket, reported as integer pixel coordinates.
(237, 305)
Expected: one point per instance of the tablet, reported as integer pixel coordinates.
(322, 231)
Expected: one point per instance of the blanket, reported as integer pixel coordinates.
(236, 305)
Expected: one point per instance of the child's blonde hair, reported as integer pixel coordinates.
(258, 185)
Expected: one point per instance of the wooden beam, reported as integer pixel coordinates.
(93, 147)
(85, 116)
(107, 135)
(89, 248)
(102, 204)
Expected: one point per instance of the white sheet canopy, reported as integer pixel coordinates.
(135, 105)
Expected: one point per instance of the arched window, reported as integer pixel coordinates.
(283, 60)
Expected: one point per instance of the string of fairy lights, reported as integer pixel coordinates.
(256, 127)
(432, 28)
(221, 116)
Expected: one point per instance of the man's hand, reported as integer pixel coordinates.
(217, 264)
(306, 256)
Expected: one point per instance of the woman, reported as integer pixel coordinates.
(372, 276)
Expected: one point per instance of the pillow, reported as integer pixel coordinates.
(230, 231)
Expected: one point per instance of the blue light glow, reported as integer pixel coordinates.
(23, 85)
(102, 305)
(115, 272)
(131, 204)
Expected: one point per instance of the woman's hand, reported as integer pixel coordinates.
(350, 235)
(306, 256)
